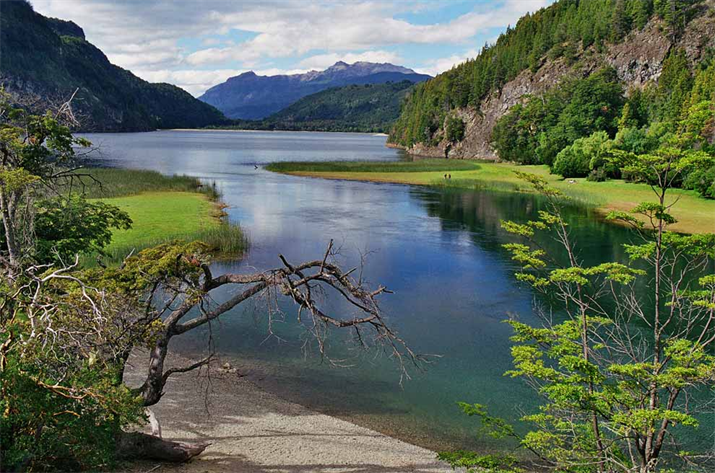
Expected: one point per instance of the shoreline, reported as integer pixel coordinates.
(696, 219)
(254, 430)
(385, 135)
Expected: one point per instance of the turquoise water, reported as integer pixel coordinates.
(438, 250)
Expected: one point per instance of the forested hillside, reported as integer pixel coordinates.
(596, 50)
(44, 60)
(370, 108)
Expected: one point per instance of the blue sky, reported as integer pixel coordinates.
(196, 44)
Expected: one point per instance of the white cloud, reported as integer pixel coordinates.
(196, 82)
(342, 28)
(156, 36)
(444, 64)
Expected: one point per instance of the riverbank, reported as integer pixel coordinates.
(163, 208)
(253, 431)
(694, 214)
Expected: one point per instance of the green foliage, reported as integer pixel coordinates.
(60, 411)
(674, 86)
(514, 137)
(702, 181)
(583, 156)
(676, 13)
(537, 131)
(635, 111)
(69, 226)
(613, 389)
(455, 129)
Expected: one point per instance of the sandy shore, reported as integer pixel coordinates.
(253, 431)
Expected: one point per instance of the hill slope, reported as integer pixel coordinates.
(371, 108)
(250, 96)
(44, 60)
(568, 39)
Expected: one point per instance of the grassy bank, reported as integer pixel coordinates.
(102, 183)
(694, 214)
(163, 208)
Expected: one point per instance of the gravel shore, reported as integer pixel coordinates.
(254, 431)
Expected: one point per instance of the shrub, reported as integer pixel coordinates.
(585, 155)
(702, 181)
(571, 162)
(636, 140)
(597, 175)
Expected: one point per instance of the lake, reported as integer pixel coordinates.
(438, 250)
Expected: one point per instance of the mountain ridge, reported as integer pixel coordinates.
(45, 60)
(251, 96)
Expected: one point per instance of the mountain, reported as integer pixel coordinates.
(544, 56)
(250, 96)
(44, 60)
(369, 108)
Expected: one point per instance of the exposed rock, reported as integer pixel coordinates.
(638, 60)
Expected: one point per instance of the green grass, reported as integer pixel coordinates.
(163, 209)
(424, 165)
(160, 217)
(100, 183)
(694, 214)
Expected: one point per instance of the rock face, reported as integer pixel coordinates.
(251, 97)
(638, 61)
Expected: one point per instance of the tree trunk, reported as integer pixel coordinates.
(139, 446)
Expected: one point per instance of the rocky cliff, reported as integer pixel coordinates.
(638, 60)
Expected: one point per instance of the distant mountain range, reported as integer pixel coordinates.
(44, 60)
(253, 97)
(368, 108)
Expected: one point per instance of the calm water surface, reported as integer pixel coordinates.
(438, 250)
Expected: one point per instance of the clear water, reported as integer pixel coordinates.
(439, 251)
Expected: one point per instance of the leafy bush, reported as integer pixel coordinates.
(571, 162)
(66, 227)
(636, 140)
(583, 156)
(703, 181)
(597, 175)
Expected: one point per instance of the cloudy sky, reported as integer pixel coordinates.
(198, 43)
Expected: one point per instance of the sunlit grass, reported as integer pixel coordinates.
(162, 209)
(424, 165)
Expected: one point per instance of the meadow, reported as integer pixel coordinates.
(162, 209)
